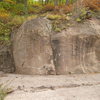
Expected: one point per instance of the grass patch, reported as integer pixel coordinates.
(4, 91)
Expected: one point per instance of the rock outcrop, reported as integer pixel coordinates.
(32, 48)
(38, 50)
(77, 49)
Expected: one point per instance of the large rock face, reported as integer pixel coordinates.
(32, 48)
(77, 49)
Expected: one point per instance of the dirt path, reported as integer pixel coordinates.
(70, 87)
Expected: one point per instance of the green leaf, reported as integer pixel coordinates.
(78, 20)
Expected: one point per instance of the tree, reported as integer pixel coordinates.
(56, 2)
(67, 2)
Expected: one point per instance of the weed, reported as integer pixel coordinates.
(92, 4)
(4, 91)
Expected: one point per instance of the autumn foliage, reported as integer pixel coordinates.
(92, 4)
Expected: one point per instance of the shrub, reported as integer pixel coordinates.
(17, 21)
(19, 9)
(63, 9)
(36, 10)
(4, 15)
(54, 17)
(10, 1)
(35, 5)
(7, 6)
(31, 17)
(92, 4)
(49, 7)
(4, 32)
(84, 14)
(67, 8)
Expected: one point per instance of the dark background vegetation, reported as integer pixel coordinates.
(14, 12)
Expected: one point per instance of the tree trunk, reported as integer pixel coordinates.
(67, 2)
(56, 2)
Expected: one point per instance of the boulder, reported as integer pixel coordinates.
(38, 50)
(77, 49)
(32, 48)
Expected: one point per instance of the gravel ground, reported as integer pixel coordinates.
(62, 87)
